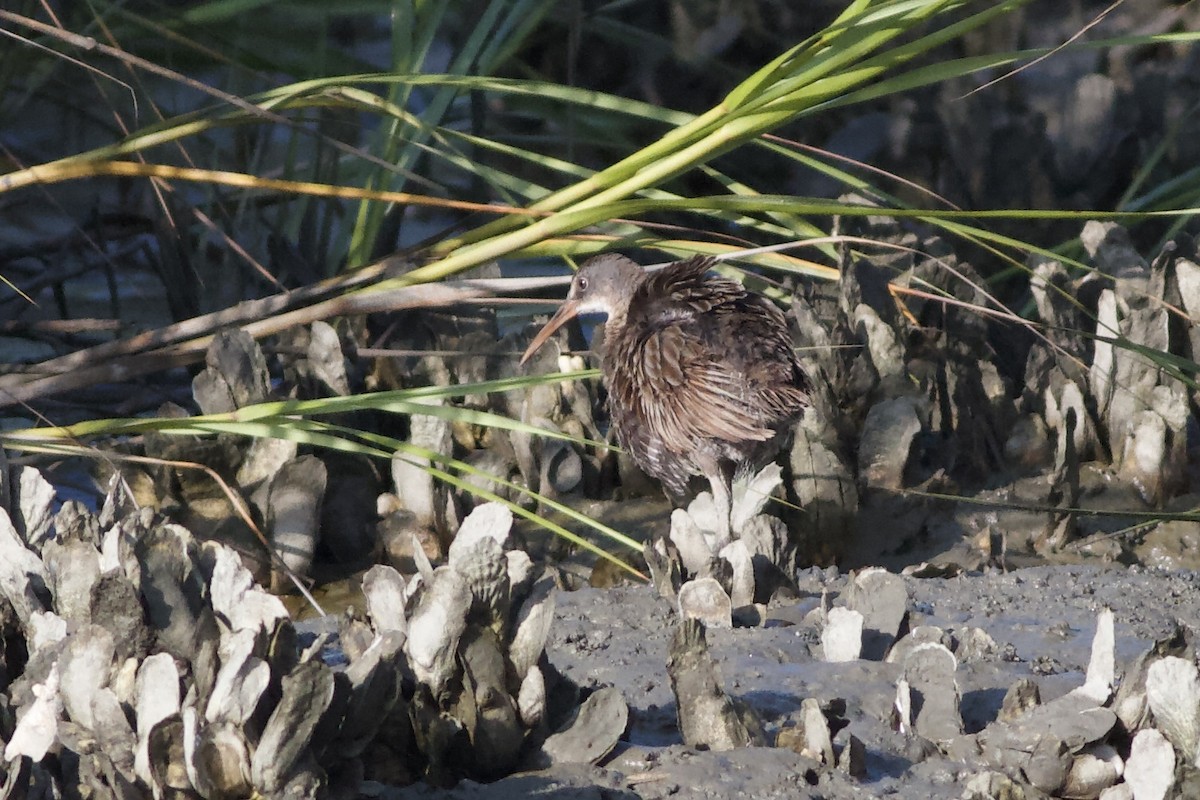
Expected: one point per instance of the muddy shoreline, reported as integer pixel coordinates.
(1042, 620)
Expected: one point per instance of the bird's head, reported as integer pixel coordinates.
(603, 285)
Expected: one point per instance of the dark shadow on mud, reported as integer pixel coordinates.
(980, 707)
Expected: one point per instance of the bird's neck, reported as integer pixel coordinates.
(618, 309)
(617, 316)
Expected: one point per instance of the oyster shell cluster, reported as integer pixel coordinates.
(1109, 739)
(1122, 734)
(716, 583)
(926, 385)
(224, 487)
(138, 659)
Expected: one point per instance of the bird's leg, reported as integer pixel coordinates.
(720, 478)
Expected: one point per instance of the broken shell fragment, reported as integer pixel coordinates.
(810, 737)
(307, 692)
(531, 628)
(384, 590)
(708, 718)
(704, 599)
(1173, 692)
(842, 637)
(435, 627)
(1150, 769)
(221, 762)
(592, 733)
(930, 672)
(37, 723)
(882, 600)
(531, 700)
(158, 699)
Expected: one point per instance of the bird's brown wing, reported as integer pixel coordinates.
(683, 392)
(762, 345)
(680, 291)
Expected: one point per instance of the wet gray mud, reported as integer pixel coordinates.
(1041, 622)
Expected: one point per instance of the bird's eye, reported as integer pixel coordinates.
(583, 284)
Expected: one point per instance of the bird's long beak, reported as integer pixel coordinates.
(565, 313)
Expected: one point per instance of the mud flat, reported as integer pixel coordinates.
(1041, 623)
